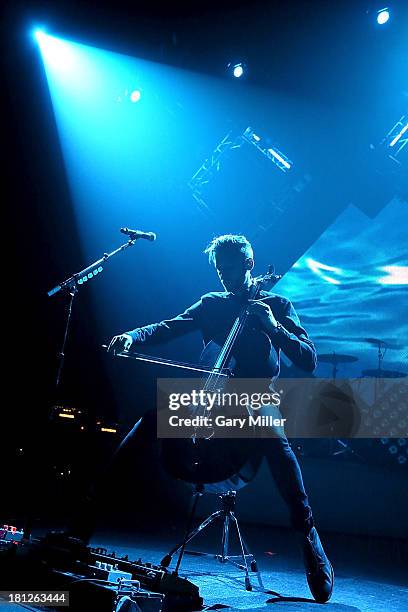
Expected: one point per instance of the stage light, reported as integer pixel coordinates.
(236, 69)
(398, 136)
(279, 157)
(383, 16)
(58, 54)
(129, 95)
(39, 35)
(135, 96)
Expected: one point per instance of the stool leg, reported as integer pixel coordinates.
(165, 562)
(189, 537)
(225, 539)
(253, 564)
(248, 585)
(190, 522)
(227, 515)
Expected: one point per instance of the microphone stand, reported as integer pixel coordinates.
(71, 286)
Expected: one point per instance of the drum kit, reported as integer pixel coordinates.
(335, 359)
(340, 447)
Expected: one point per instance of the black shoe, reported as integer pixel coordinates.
(319, 570)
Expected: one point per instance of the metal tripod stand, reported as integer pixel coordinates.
(226, 514)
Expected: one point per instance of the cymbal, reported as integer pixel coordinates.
(383, 374)
(336, 358)
(384, 343)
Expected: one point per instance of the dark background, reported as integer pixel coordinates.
(326, 53)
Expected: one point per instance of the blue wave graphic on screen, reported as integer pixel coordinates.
(352, 285)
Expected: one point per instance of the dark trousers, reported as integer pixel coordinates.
(281, 460)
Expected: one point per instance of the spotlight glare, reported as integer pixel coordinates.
(59, 55)
(39, 35)
(238, 71)
(383, 16)
(135, 96)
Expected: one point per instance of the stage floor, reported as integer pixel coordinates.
(370, 575)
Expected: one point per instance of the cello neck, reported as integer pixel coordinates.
(214, 379)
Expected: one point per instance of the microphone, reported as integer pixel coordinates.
(135, 234)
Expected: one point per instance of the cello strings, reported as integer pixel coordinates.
(235, 331)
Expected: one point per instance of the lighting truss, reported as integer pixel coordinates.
(271, 152)
(212, 165)
(396, 139)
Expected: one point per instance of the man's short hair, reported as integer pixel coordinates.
(229, 242)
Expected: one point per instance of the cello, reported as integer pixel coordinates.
(219, 464)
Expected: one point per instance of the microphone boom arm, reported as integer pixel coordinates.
(71, 283)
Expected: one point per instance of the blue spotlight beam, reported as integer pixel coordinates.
(39, 35)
